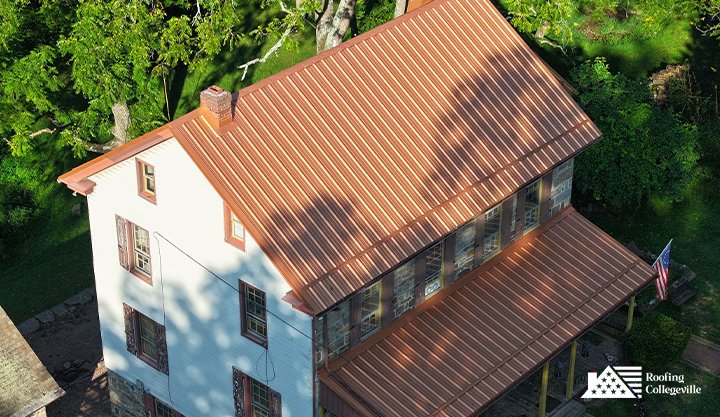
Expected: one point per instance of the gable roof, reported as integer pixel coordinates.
(346, 164)
(25, 384)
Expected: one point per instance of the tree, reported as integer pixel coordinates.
(709, 24)
(645, 149)
(542, 19)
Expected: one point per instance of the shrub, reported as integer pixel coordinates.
(655, 341)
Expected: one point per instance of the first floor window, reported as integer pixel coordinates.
(145, 339)
(370, 310)
(338, 328)
(153, 407)
(532, 206)
(403, 288)
(464, 248)
(253, 398)
(491, 238)
(433, 269)
(254, 314)
(561, 189)
(134, 248)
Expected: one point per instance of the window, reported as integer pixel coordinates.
(369, 310)
(338, 328)
(253, 398)
(254, 314)
(234, 230)
(561, 189)
(491, 239)
(134, 249)
(404, 288)
(319, 340)
(145, 339)
(465, 248)
(433, 269)
(156, 408)
(146, 181)
(532, 206)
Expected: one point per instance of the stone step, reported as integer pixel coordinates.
(676, 300)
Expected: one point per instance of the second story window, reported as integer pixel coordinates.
(369, 310)
(234, 230)
(146, 181)
(403, 288)
(561, 189)
(532, 206)
(465, 248)
(491, 239)
(338, 328)
(134, 249)
(145, 339)
(433, 269)
(254, 314)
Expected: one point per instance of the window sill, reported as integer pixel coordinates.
(257, 339)
(238, 243)
(147, 360)
(151, 197)
(143, 276)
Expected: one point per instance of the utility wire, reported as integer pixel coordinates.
(226, 283)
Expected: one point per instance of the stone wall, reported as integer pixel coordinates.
(126, 398)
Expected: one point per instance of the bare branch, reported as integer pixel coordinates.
(41, 131)
(268, 54)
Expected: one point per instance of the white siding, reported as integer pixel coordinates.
(200, 311)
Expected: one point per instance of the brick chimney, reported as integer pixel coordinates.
(217, 104)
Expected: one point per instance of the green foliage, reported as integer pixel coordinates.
(544, 18)
(645, 149)
(373, 13)
(655, 341)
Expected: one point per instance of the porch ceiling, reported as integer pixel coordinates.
(463, 349)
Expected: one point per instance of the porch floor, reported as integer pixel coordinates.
(595, 351)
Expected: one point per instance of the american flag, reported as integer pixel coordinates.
(662, 266)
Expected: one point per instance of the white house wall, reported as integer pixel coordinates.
(200, 311)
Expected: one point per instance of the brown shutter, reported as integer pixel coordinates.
(275, 404)
(130, 329)
(239, 393)
(161, 343)
(122, 240)
(148, 405)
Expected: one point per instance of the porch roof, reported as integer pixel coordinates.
(463, 349)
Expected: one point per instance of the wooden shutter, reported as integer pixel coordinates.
(130, 329)
(122, 239)
(161, 343)
(148, 405)
(239, 393)
(275, 404)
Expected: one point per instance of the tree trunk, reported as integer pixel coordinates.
(340, 23)
(121, 114)
(323, 25)
(400, 7)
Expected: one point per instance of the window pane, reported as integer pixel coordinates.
(464, 248)
(370, 310)
(338, 329)
(561, 189)
(259, 399)
(147, 338)
(532, 206)
(491, 239)
(255, 312)
(404, 288)
(149, 178)
(162, 410)
(433, 269)
(141, 244)
(319, 340)
(237, 228)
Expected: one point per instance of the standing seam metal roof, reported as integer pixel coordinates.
(344, 165)
(497, 325)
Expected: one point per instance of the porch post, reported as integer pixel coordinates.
(631, 312)
(543, 389)
(571, 370)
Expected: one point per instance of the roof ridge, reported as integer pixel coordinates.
(457, 195)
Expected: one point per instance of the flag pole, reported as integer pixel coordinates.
(661, 252)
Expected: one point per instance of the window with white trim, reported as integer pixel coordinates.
(370, 310)
(532, 206)
(403, 288)
(338, 328)
(254, 314)
(561, 189)
(465, 248)
(491, 238)
(434, 269)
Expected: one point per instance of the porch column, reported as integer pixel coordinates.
(631, 312)
(543, 389)
(571, 370)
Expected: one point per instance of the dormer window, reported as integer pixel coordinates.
(146, 181)
(234, 229)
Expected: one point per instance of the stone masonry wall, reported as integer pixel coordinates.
(126, 398)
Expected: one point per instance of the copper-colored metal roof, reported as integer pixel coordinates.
(497, 325)
(346, 164)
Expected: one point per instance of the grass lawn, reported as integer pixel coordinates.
(703, 404)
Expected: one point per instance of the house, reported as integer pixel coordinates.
(384, 230)
(26, 387)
